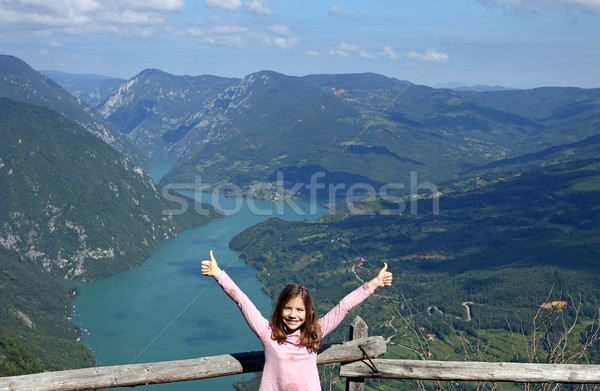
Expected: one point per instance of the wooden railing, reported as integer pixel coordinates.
(358, 358)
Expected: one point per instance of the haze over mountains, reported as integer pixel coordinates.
(76, 204)
(92, 89)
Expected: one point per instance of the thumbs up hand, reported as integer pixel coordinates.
(384, 278)
(210, 268)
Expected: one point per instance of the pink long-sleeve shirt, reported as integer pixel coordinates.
(289, 367)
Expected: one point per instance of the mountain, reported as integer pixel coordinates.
(72, 207)
(482, 88)
(478, 87)
(371, 129)
(347, 128)
(18, 81)
(156, 109)
(73, 204)
(92, 89)
(549, 106)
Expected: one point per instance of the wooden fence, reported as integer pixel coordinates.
(358, 358)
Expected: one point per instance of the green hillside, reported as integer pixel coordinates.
(503, 242)
(588, 148)
(14, 360)
(72, 203)
(35, 331)
(72, 207)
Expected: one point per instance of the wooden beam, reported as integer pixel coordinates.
(474, 371)
(174, 371)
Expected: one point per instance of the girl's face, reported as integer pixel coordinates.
(294, 314)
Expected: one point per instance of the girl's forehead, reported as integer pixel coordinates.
(295, 302)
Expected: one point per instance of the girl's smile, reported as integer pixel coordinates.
(294, 314)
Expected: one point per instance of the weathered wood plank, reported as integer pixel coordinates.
(350, 351)
(173, 371)
(475, 371)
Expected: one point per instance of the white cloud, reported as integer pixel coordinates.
(338, 52)
(560, 5)
(156, 5)
(224, 34)
(260, 7)
(221, 32)
(338, 11)
(364, 54)
(389, 53)
(280, 29)
(229, 5)
(39, 17)
(430, 55)
(311, 53)
(346, 50)
(55, 44)
(231, 28)
(285, 43)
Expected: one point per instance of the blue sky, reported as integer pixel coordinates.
(514, 43)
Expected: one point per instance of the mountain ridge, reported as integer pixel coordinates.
(91, 88)
(18, 81)
(237, 129)
(449, 130)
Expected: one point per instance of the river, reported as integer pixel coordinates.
(164, 309)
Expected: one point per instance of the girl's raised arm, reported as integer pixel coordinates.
(351, 300)
(253, 317)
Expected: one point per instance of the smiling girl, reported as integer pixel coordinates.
(294, 335)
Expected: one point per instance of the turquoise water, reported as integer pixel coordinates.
(165, 309)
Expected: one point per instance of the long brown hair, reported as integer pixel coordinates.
(310, 332)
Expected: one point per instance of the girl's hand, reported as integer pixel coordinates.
(210, 268)
(384, 278)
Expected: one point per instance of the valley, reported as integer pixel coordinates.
(483, 204)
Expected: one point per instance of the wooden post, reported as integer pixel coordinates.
(358, 329)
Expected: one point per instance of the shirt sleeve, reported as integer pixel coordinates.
(334, 317)
(254, 318)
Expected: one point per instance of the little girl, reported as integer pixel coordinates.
(294, 334)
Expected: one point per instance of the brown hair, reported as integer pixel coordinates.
(310, 332)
